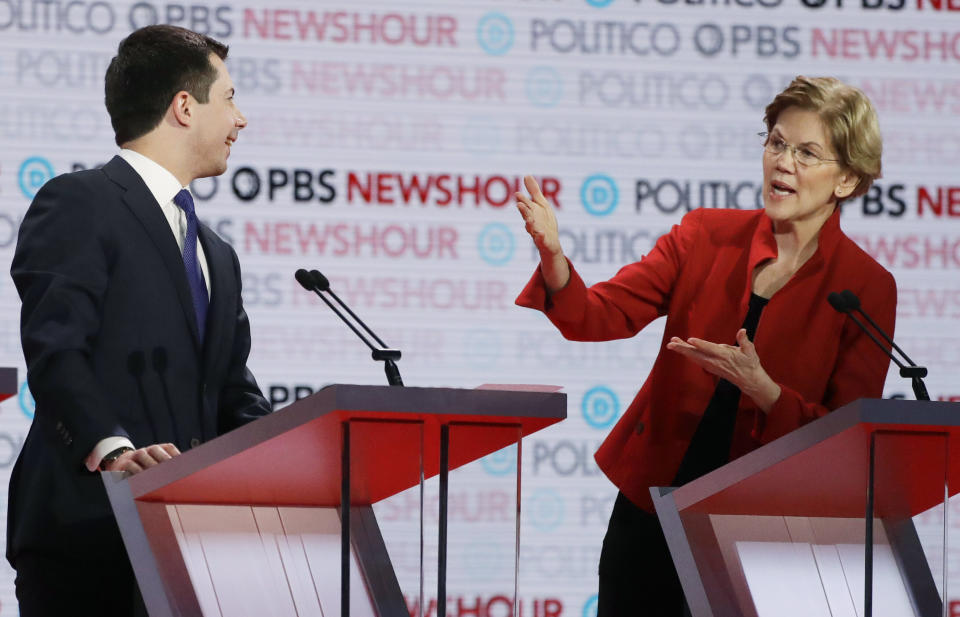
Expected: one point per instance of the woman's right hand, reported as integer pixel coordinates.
(541, 223)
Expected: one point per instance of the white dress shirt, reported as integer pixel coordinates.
(163, 185)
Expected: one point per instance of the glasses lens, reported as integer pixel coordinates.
(775, 145)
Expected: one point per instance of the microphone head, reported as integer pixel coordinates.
(838, 302)
(320, 281)
(306, 281)
(851, 299)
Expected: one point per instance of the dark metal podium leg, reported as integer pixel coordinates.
(442, 546)
(345, 522)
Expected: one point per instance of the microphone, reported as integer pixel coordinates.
(136, 365)
(317, 283)
(159, 357)
(847, 302)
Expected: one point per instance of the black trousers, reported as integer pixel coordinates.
(637, 576)
(95, 585)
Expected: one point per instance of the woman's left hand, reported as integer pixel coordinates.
(739, 364)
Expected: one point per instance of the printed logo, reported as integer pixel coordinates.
(483, 347)
(599, 195)
(502, 462)
(545, 509)
(34, 173)
(600, 4)
(485, 560)
(544, 86)
(590, 608)
(481, 135)
(600, 407)
(496, 244)
(27, 404)
(495, 34)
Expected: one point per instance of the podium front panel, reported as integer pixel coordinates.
(277, 517)
(385, 453)
(820, 521)
(483, 513)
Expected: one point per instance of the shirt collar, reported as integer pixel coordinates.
(162, 184)
(764, 245)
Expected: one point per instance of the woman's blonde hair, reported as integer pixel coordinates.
(848, 116)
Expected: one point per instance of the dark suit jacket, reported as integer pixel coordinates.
(110, 340)
(699, 275)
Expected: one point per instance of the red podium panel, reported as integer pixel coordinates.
(8, 383)
(891, 458)
(366, 442)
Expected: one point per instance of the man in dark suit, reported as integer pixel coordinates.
(132, 325)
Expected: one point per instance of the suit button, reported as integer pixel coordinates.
(60, 426)
(68, 440)
(640, 427)
(194, 442)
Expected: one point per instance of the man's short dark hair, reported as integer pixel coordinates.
(153, 64)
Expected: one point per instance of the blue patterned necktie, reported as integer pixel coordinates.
(198, 288)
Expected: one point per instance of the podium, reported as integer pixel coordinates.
(275, 518)
(819, 522)
(8, 382)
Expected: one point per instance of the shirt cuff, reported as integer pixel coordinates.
(105, 447)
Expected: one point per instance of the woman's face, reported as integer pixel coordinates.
(796, 193)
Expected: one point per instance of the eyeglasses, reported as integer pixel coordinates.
(801, 154)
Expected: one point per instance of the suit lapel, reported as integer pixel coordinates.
(141, 202)
(222, 289)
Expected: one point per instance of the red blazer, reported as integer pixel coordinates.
(699, 275)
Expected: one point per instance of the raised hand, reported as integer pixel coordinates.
(540, 221)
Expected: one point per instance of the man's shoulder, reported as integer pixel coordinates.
(78, 185)
(79, 179)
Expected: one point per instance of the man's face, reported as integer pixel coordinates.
(218, 123)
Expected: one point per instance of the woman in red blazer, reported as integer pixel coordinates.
(751, 348)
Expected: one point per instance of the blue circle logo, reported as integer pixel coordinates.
(495, 33)
(484, 560)
(600, 4)
(27, 404)
(34, 173)
(496, 244)
(590, 608)
(481, 135)
(599, 195)
(545, 509)
(501, 462)
(484, 346)
(544, 86)
(600, 407)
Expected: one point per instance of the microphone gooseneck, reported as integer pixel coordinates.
(847, 302)
(319, 284)
(136, 366)
(159, 357)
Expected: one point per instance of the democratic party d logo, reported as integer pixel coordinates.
(599, 195)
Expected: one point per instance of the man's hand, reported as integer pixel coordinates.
(136, 461)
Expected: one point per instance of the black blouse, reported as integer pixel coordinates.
(710, 446)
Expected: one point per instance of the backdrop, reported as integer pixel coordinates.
(384, 144)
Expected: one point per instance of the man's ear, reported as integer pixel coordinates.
(182, 108)
(845, 185)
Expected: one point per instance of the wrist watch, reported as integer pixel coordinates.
(112, 456)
